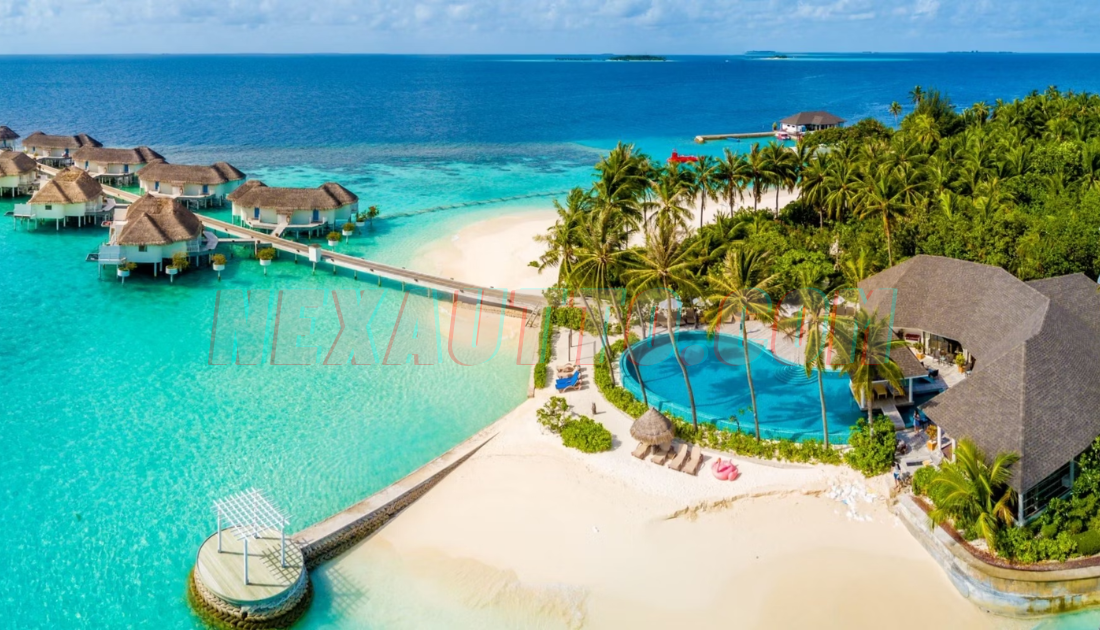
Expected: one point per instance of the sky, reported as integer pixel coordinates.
(545, 26)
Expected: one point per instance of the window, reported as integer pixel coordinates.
(255, 213)
(49, 207)
(1056, 484)
(125, 168)
(85, 164)
(205, 189)
(143, 248)
(156, 185)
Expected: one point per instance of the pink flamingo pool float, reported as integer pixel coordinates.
(724, 470)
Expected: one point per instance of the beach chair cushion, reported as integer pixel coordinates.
(694, 462)
(641, 451)
(681, 457)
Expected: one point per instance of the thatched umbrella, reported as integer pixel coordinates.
(652, 428)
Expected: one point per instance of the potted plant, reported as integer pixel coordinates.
(124, 270)
(371, 213)
(919, 347)
(266, 255)
(360, 219)
(179, 263)
(333, 238)
(349, 229)
(218, 262)
(960, 361)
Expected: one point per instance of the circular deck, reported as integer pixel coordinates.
(269, 583)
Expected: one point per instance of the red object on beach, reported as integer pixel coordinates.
(680, 159)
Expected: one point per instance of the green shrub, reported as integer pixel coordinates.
(1088, 542)
(586, 435)
(572, 317)
(1021, 545)
(922, 479)
(872, 453)
(546, 353)
(266, 253)
(554, 415)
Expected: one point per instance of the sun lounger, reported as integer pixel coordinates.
(660, 457)
(880, 391)
(642, 450)
(567, 369)
(566, 384)
(694, 462)
(681, 456)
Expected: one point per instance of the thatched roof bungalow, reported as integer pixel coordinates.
(200, 185)
(804, 122)
(17, 172)
(154, 229)
(56, 148)
(116, 164)
(1033, 354)
(71, 193)
(8, 138)
(267, 207)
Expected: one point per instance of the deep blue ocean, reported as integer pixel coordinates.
(115, 434)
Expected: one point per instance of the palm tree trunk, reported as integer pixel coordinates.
(748, 373)
(824, 416)
(680, 362)
(777, 200)
(603, 336)
(889, 245)
(702, 208)
(629, 348)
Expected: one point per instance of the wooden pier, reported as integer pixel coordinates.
(733, 136)
(460, 291)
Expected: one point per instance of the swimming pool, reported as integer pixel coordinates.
(787, 399)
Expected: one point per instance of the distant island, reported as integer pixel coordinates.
(614, 58)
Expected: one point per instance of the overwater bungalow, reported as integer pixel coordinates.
(114, 166)
(8, 138)
(1028, 362)
(56, 150)
(72, 193)
(195, 186)
(805, 122)
(17, 173)
(279, 210)
(154, 229)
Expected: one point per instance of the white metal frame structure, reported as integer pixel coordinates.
(247, 515)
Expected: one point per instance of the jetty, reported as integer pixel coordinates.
(734, 136)
(460, 291)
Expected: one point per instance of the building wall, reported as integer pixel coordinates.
(169, 189)
(152, 253)
(62, 210)
(335, 217)
(113, 169)
(14, 181)
(44, 152)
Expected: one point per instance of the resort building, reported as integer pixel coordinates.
(152, 230)
(8, 138)
(1030, 362)
(17, 173)
(72, 193)
(804, 122)
(194, 186)
(297, 209)
(114, 166)
(56, 150)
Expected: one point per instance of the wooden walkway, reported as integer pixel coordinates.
(730, 136)
(461, 291)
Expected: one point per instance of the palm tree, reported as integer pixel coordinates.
(621, 181)
(842, 181)
(600, 251)
(862, 346)
(895, 110)
(780, 168)
(814, 188)
(666, 262)
(739, 287)
(857, 269)
(880, 195)
(736, 174)
(812, 323)
(757, 174)
(667, 195)
(916, 95)
(707, 181)
(561, 238)
(974, 493)
(981, 111)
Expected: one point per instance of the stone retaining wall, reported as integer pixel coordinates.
(1012, 592)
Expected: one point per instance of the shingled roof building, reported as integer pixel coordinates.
(8, 138)
(153, 230)
(72, 193)
(56, 150)
(116, 166)
(17, 173)
(1032, 353)
(197, 186)
(300, 209)
(803, 122)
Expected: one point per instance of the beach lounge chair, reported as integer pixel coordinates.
(660, 457)
(566, 384)
(880, 391)
(681, 456)
(642, 450)
(564, 371)
(689, 317)
(694, 462)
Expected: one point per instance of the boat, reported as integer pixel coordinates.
(681, 159)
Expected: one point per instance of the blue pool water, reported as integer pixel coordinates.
(117, 434)
(787, 399)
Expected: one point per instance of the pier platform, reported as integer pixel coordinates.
(733, 136)
(268, 583)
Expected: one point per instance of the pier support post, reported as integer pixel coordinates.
(246, 561)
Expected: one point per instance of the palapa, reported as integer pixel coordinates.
(652, 427)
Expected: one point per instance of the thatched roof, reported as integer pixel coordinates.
(256, 194)
(41, 140)
(812, 118)
(16, 163)
(72, 185)
(652, 428)
(158, 221)
(7, 134)
(218, 173)
(1036, 347)
(140, 155)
